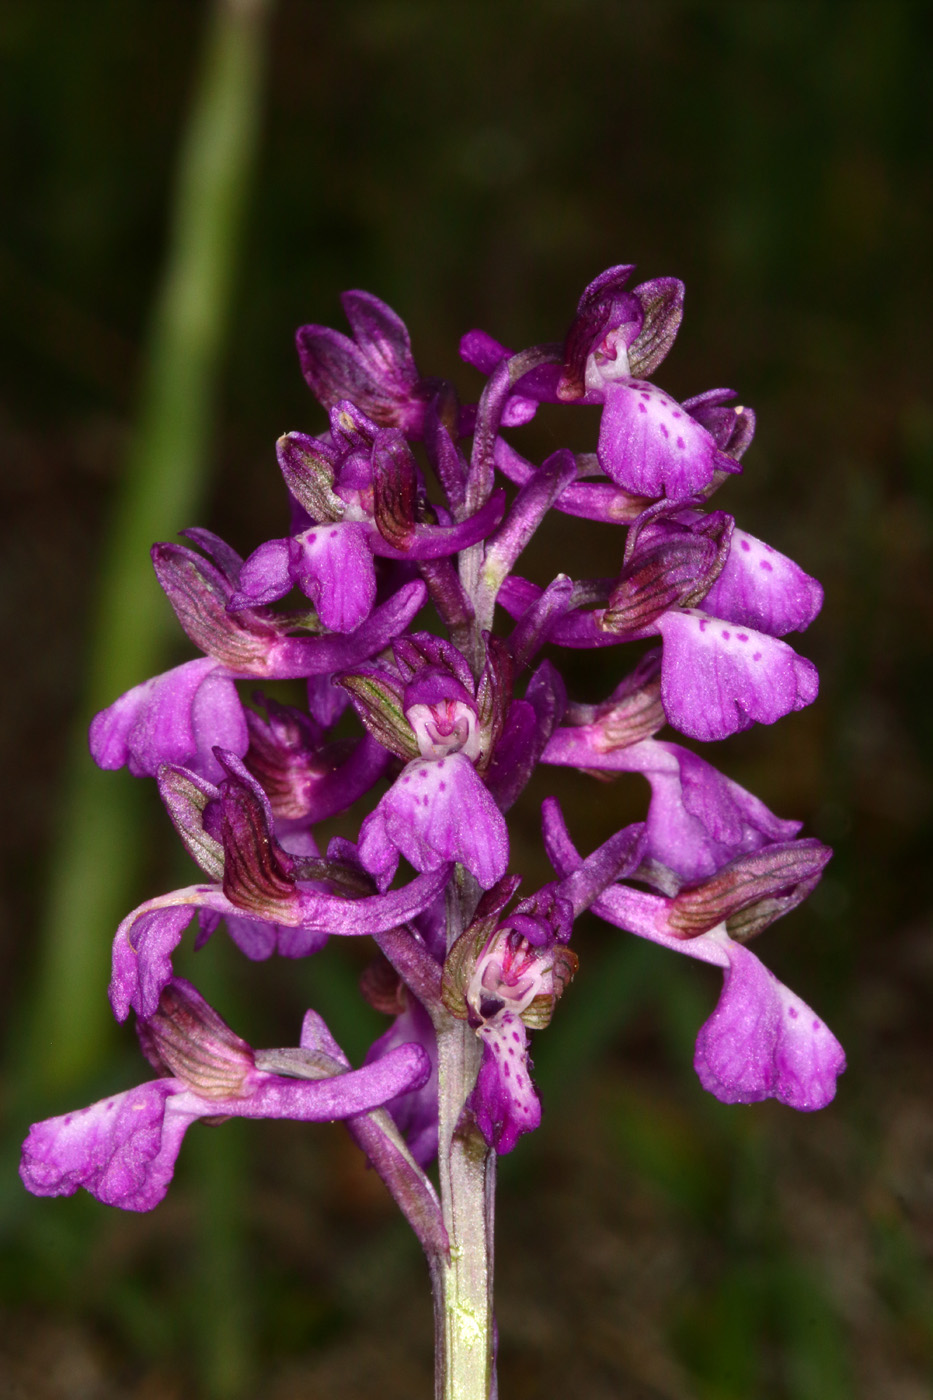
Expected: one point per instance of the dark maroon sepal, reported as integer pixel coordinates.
(259, 875)
(395, 488)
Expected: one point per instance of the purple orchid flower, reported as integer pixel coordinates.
(762, 1041)
(123, 1150)
(506, 973)
(376, 369)
(718, 674)
(438, 809)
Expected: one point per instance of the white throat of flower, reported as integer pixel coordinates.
(446, 727)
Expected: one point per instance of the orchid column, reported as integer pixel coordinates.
(406, 606)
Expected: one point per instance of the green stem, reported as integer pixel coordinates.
(462, 1280)
(98, 852)
(463, 1283)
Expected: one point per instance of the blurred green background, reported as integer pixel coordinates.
(184, 184)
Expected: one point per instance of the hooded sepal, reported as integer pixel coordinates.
(186, 797)
(618, 334)
(379, 700)
(186, 1038)
(308, 466)
(375, 370)
(668, 564)
(752, 891)
(259, 874)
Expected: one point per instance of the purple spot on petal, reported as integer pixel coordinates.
(704, 623)
(506, 1071)
(816, 1025)
(423, 773)
(678, 415)
(440, 764)
(763, 564)
(67, 1119)
(407, 778)
(333, 534)
(746, 546)
(516, 1037)
(109, 1105)
(793, 1013)
(641, 408)
(681, 444)
(726, 635)
(443, 788)
(644, 395)
(757, 656)
(742, 636)
(312, 539)
(664, 431)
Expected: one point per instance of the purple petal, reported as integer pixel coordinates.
(761, 588)
(290, 658)
(717, 679)
(439, 810)
(763, 1042)
(374, 913)
(437, 541)
(174, 718)
(403, 1069)
(326, 701)
(334, 568)
(651, 446)
(145, 941)
(504, 1100)
(265, 577)
(482, 351)
(598, 500)
(122, 1150)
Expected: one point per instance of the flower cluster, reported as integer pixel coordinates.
(408, 518)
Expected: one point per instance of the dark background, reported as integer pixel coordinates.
(476, 164)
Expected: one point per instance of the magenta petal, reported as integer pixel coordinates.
(122, 1150)
(761, 588)
(439, 810)
(718, 678)
(144, 943)
(650, 445)
(334, 568)
(174, 718)
(762, 1042)
(265, 576)
(504, 1101)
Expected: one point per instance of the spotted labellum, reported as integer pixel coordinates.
(392, 595)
